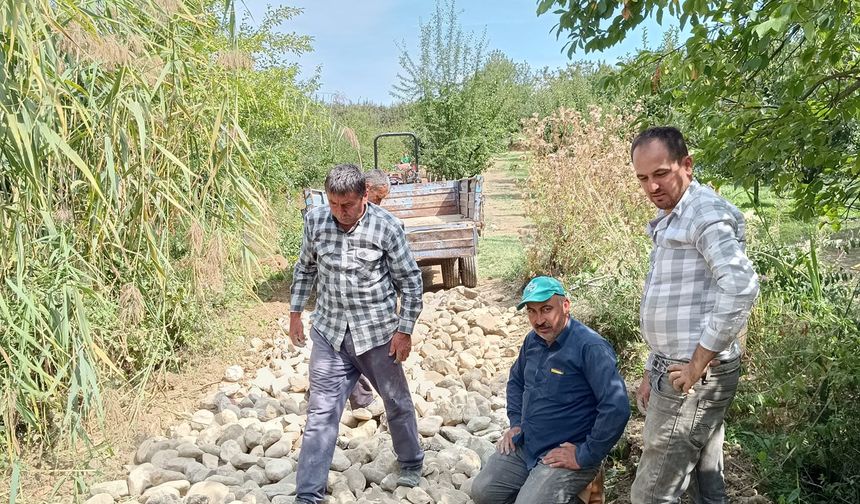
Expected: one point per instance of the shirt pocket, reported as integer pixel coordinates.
(328, 257)
(368, 263)
(559, 387)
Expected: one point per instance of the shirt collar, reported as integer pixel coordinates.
(679, 207)
(686, 197)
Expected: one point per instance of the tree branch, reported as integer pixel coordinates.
(732, 101)
(790, 55)
(846, 93)
(775, 52)
(840, 75)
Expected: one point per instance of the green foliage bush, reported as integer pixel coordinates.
(610, 306)
(799, 409)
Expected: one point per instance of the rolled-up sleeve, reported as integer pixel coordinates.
(305, 270)
(737, 282)
(407, 279)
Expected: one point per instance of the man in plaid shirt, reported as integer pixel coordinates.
(357, 255)
(697, 298)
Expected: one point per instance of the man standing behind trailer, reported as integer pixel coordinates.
(378, 186)
(358, 256)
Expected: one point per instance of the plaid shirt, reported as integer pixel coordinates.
(360, 273)
(701, 286)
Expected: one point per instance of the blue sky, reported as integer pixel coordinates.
(356, 42)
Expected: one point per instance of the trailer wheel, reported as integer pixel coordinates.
(450, 278)
(469, 271)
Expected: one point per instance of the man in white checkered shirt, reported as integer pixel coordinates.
(356, 253)
(697, 298)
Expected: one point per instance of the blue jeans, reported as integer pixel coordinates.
(506, 480)
(683, 438)
(333, 375)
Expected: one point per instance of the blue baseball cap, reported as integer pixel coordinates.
(540, 289)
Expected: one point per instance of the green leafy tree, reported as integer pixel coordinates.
(769, 90)
(448, 57)
(285, 128)
(504, 88)
(577, 86)
(450, 109)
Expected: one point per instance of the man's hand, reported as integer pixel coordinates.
(564, 457)
(684, 376)
(505, 444)
(297, 329)
(643, 393)
(401, 345)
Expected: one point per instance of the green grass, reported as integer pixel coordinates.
(773, 223)
(501, 257)
(514, 163)
(773, 215)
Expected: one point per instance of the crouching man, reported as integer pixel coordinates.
(567, 407)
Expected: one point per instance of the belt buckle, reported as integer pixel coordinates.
(660, 364)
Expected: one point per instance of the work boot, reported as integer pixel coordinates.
(409, 477)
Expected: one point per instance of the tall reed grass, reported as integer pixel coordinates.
(125, 190)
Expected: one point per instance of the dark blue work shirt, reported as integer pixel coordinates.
(569, 391)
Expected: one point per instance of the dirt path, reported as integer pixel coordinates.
(501, 251)
(504, 188)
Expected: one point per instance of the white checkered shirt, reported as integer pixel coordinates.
(359, 274)
(701, 286)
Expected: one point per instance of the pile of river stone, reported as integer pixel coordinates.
(243, 444)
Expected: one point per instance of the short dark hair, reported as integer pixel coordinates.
(345, 179)
(377, 178)
(671, 137)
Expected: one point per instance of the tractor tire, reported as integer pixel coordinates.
(450, 278)
(469, 271)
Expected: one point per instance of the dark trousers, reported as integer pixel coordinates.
(333, 375)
